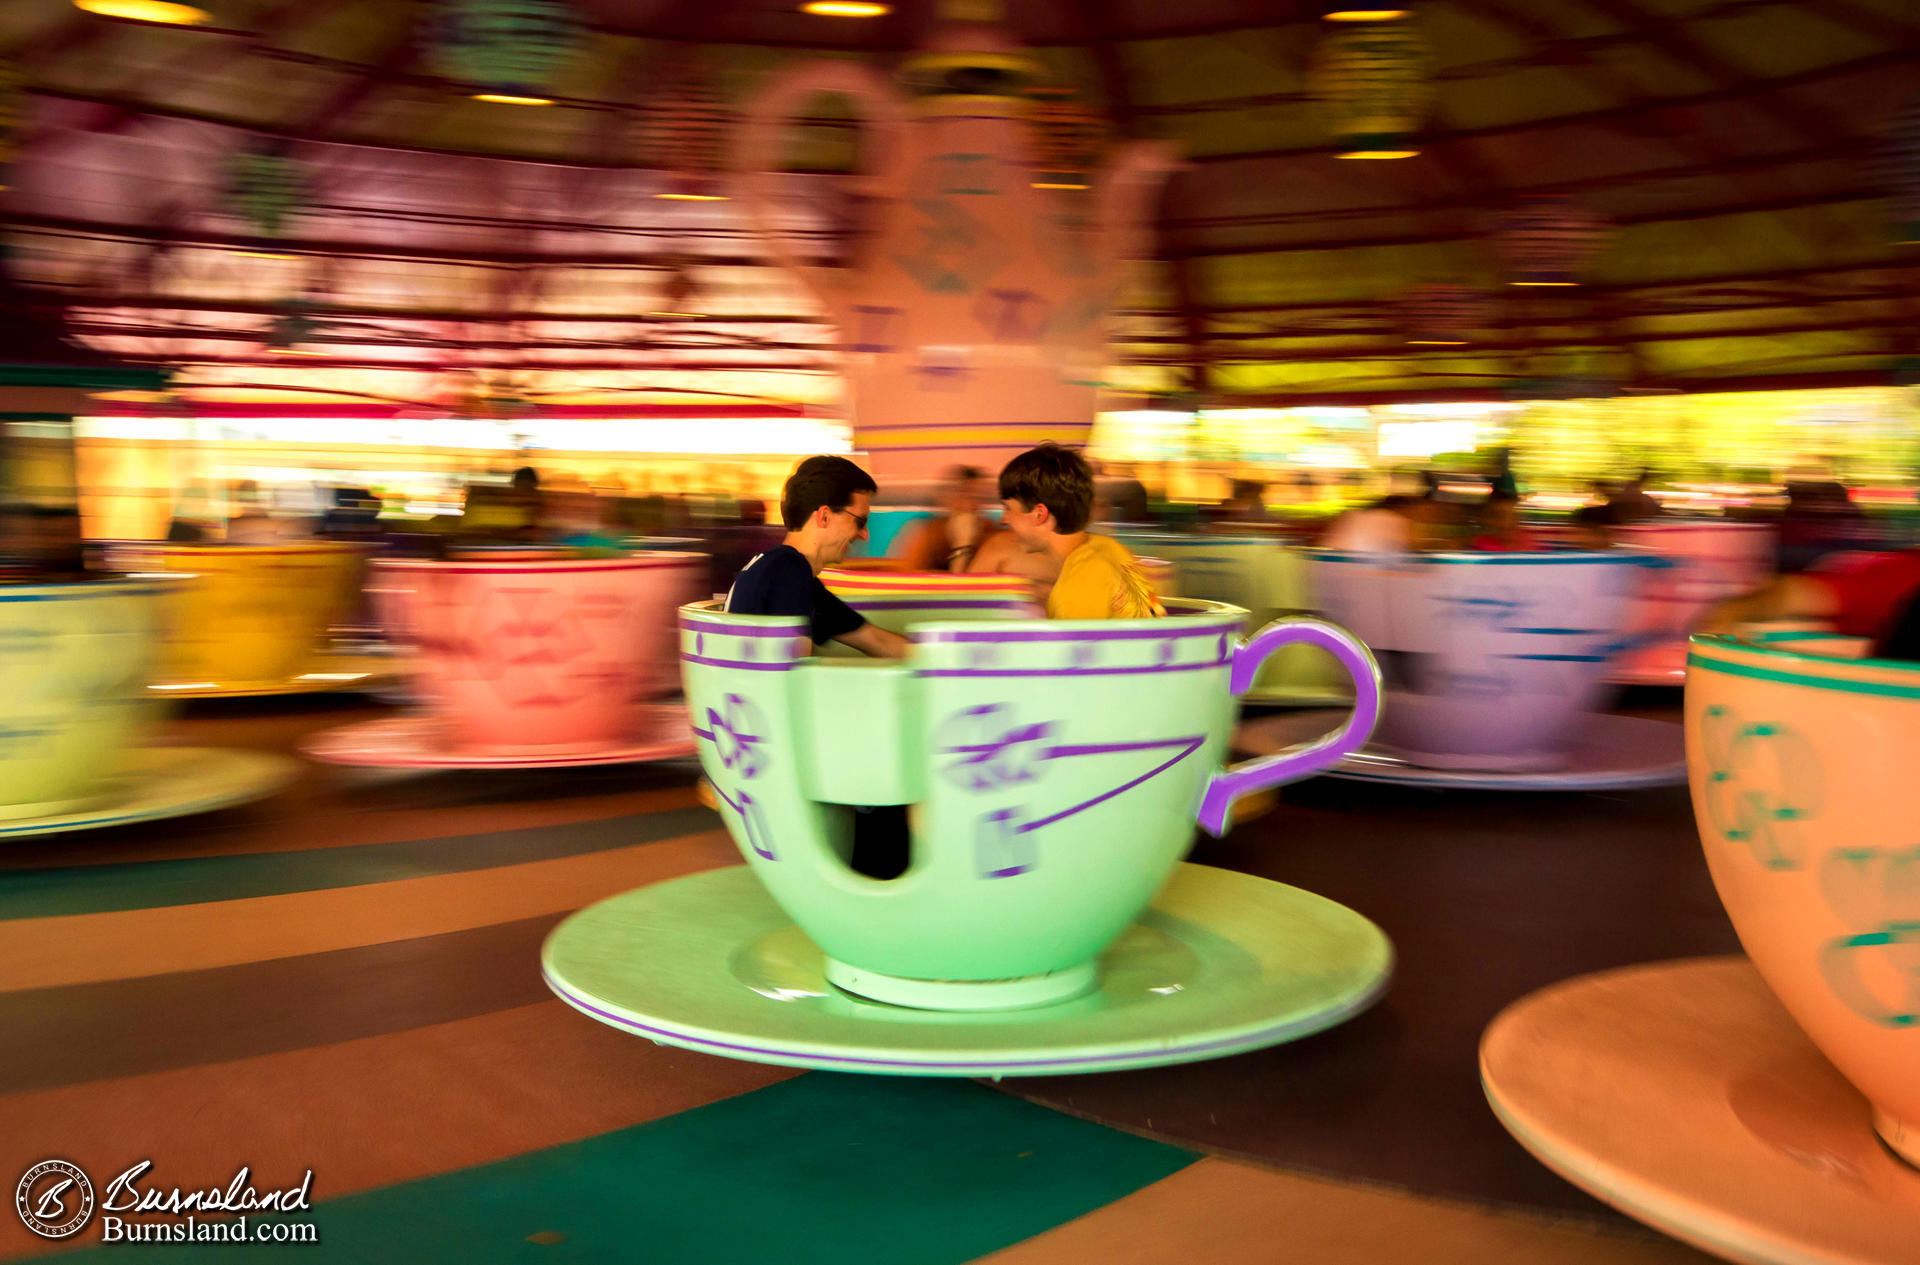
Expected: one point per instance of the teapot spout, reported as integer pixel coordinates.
(1127, 190)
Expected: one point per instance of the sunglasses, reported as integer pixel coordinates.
(859, 520)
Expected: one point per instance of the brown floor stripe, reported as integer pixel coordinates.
(370, 1112)
(43, 953)
(1233, 1214)
(65, 1036)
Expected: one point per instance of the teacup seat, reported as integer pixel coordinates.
(1053, 773)
(1801, 759)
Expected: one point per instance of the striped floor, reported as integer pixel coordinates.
(345, 979)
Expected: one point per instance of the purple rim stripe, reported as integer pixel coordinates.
(1254, 1039)
(1161, 667)
(858, 602)
(736, 663)
(746, 630)
(1073, 426)
(1126, 634)
(1011, 443)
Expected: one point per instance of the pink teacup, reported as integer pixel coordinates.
(516, 654)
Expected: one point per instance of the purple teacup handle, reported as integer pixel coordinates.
(1235, 781)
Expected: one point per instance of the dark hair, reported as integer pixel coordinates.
(526, 477)
(1501, 496)
(818, 481)
(1055, 477)
(963, 474)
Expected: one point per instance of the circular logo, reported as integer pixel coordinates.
(55, 1199)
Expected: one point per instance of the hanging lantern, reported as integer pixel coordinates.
(265, 186)
(292, 329)
(1903, 173)
(1442, 313)
(1374, 84)
(13, 113)
(679, 293)
(683, 130)
(1067, 136)
(1549, 241)
(506, 50)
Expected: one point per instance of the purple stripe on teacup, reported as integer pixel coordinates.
(738, 663)
(1063, 634)
(742, 630)
(936, 604)
(1142, 670)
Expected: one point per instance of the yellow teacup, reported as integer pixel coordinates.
(75, 659)
(251, 615)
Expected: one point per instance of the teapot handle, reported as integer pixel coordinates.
(1229, 784)
(756, 159)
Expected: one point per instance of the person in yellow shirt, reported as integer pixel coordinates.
(1046, 495)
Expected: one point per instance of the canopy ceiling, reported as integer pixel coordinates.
(1734, 145)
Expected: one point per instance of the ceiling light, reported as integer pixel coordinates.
(1058, 184)
(845, 9)
(505, 98)
(1337, 14)
(1381, 153)
(1436, 342)
(691, 197)
(162, 11)
(1543, 283)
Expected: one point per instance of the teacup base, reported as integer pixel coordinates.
(1478, 762)
(1685, 1095)
(1901, 1136)
(1025, 993)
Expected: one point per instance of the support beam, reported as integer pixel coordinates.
(1686, 49)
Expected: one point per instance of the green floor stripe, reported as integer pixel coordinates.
(99, 889)
(822, 1168)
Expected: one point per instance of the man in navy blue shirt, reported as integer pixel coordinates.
(825, 507)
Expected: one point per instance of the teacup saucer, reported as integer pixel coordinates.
(1664, 664)
(158, 782)
(329, 673)
(1220, 964)
(1611, 753)
(1683, 1094)
(416, 742)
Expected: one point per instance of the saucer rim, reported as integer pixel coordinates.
(1027, 1059)
(148, 770)
(1720, 1228)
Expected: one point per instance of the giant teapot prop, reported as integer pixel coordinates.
(973, 319)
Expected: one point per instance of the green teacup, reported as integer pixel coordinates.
(1055, 771)
(76, 662)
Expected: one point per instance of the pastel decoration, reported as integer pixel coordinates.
(1708, 560)
(1493, 660)
(1054, 771)
(974, 318)
(1802, 770)
(538, 654)
(78, 658)
(1267, 578)
(248, 616)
